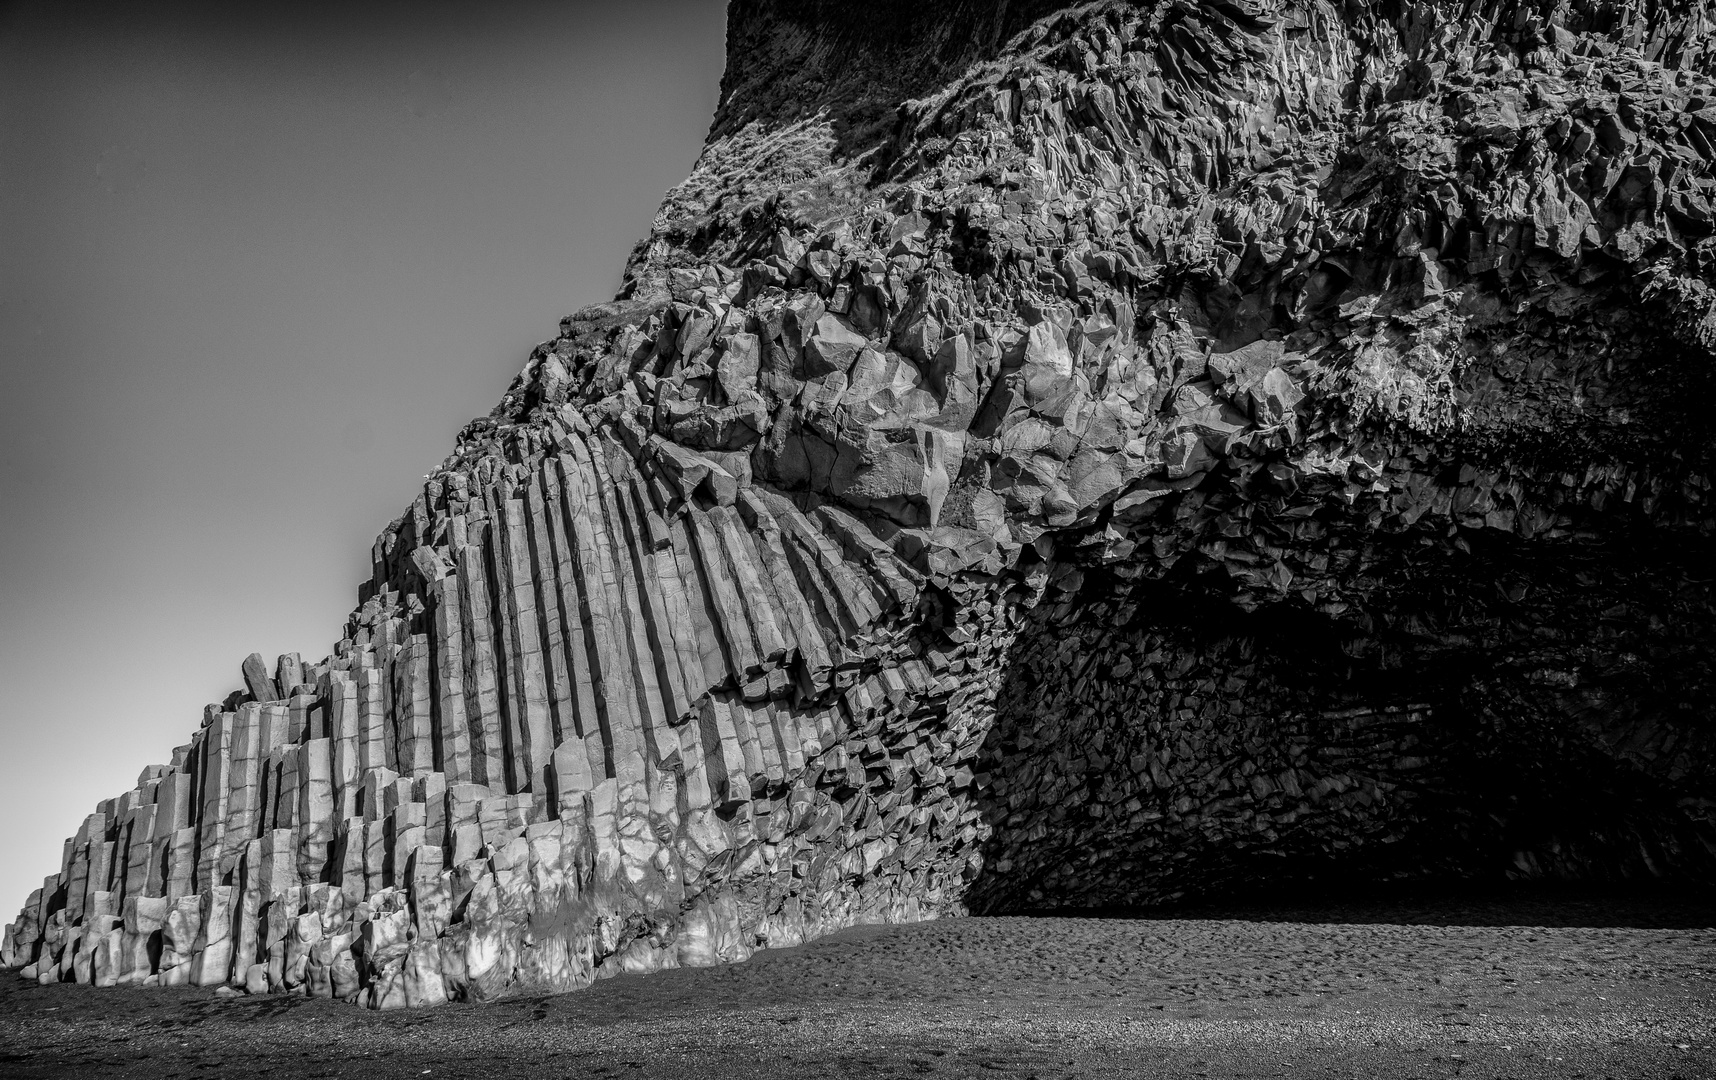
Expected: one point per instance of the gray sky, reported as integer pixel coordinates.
(255, 272)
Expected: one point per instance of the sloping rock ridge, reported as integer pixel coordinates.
(1043, 456)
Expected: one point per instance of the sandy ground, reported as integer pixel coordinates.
(1560, 987)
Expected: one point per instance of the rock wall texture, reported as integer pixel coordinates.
(1043, 455)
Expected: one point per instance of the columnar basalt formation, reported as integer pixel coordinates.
(1043, 455)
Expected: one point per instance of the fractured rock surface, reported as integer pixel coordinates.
(1043, 455)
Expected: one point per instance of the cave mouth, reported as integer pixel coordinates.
(1510, 714)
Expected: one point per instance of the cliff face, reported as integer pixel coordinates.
(1042, 455)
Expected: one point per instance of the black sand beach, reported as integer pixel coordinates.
(1517, 986)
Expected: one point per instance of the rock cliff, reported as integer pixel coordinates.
(1044, 455)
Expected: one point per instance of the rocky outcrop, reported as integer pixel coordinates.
(1044, 455)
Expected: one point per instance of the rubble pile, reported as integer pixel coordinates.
(1061, 455)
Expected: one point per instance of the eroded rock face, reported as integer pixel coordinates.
(1043, 455)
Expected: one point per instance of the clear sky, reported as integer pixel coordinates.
(257, 267)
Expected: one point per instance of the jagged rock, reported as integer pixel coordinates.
(1050, 455)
